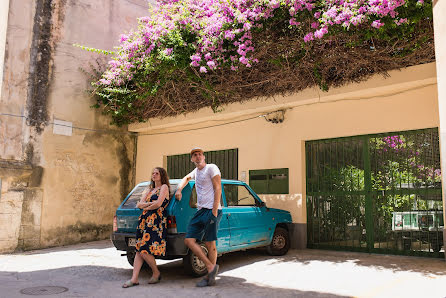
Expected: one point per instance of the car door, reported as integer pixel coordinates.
(223, 233)
(248, 222)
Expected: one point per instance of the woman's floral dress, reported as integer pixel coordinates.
(152, 229)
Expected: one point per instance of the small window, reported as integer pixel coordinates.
(269, 181)
(193, 198)
(172, 189)
(238, 195)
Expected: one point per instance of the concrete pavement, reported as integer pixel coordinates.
(96, 269)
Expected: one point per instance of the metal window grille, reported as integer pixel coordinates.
(376, 193)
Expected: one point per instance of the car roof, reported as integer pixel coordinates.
(177, 181)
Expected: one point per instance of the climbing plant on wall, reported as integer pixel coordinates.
(190, 54)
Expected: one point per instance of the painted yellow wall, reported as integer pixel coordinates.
(404, 101)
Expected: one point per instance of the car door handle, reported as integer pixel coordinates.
(229, 214)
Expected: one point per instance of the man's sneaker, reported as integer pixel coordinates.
(203, 283)
(212, 275)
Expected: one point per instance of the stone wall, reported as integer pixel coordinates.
(60, 184)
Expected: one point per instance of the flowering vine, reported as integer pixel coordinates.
(204, 36)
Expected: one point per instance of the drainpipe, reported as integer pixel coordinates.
(439, 10)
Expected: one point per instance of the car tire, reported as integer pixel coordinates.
(280, 243)
(131, 257)
(193, 265)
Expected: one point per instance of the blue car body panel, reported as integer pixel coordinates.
(241, 227)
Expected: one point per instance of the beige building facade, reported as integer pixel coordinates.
(407, 100)
(63, 168)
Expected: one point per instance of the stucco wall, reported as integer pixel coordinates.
(404, 101)
(86, 174)
(15, 172)
(4, 10)
(59, 189)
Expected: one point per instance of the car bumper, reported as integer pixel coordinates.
(175, 243)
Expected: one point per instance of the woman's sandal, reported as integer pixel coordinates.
(129, 284)
(155, 280)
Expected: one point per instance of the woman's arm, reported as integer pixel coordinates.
(142, 202)
(164, 192)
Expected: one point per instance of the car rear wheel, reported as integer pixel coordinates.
(131, 259)
(280, 243)
(193, 265)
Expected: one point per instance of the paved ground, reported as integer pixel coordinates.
(96, 269)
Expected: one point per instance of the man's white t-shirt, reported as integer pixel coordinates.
(204, 187)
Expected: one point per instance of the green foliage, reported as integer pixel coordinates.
(99, 51)
(156, 82)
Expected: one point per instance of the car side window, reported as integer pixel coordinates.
(134, 198)
(238, 195)
(193, 198)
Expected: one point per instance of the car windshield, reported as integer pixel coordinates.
(136, 196)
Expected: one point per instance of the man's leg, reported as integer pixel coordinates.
(212, 252)
(196, 249)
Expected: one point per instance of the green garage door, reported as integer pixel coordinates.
(180, 165)
(376, 193)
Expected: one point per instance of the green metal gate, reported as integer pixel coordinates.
(180, 165)
(376, 193)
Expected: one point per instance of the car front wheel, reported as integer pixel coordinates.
(193, 265)
(280, 243)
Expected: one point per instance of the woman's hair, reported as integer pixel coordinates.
(164, 178)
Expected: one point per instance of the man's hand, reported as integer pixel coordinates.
(178, 195)
(215, 212)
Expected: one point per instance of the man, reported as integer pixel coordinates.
(204, 224)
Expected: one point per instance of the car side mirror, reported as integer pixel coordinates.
(261, 204)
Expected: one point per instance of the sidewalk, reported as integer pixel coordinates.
(96, 269)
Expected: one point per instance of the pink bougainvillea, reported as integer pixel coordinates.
(221, 31)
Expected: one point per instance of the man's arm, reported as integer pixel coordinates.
(182, 184)
(216, 184)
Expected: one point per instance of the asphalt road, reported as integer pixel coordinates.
(96, 269)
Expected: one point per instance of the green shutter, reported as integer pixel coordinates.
(180, 165)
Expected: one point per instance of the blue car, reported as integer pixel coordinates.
(246, 223)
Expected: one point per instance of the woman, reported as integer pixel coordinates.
(152, 227)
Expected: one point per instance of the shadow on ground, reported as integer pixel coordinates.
(100, 281)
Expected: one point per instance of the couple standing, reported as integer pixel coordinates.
(203, 226)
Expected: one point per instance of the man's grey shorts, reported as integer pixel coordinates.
(204, 225)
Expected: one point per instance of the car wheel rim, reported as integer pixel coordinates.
(198, 264)
(279, 242)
